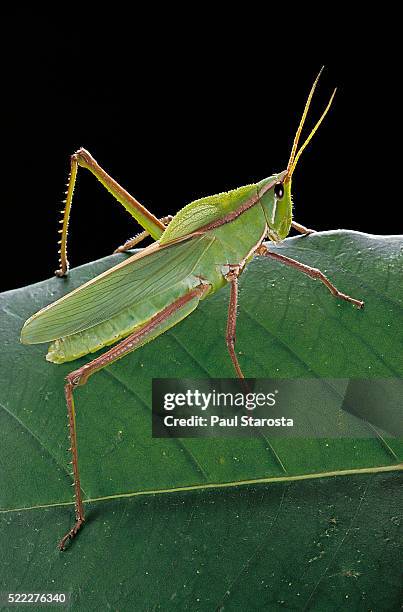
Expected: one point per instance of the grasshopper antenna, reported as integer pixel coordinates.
(294, 156)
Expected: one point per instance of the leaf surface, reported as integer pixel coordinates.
(237, 547)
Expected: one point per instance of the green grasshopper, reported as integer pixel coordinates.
(204, 247)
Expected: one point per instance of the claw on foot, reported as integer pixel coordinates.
(359, 303)
(70, 534)
(59, 273)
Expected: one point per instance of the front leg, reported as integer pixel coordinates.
(309, 271)
(302, 229)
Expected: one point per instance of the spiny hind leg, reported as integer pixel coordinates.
(143, 216)
(309, 271)
(158, 324)
(78, 502)
(302, 229)
(132, 242)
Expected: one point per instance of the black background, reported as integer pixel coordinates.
(176, 113)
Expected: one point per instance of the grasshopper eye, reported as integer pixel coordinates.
(279, 190)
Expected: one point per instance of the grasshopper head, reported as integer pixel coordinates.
(277, 200)
(277, 205)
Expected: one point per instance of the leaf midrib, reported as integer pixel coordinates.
(223, 485)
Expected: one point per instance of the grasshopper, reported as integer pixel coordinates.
(204, 247)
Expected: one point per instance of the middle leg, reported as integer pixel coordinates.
(309, 271)
(132, 242)
(232, 278)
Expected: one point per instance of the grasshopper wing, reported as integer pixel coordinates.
(144, 281)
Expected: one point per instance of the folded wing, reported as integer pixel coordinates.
(142, 279)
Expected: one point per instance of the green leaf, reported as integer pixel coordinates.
(291, 538)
